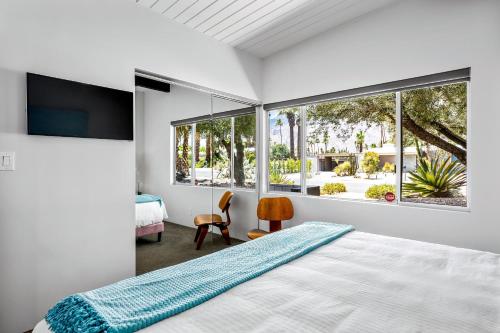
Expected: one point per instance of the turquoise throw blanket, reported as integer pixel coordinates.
(138, 302)
(144, 198)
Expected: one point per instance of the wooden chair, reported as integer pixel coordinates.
(203, 221)
(273, 210)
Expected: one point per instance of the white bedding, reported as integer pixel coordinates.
(149, 213)
(358, 283)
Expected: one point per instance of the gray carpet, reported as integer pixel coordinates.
(177, 245)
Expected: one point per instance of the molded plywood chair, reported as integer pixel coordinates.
(203, 221)
(273, 210)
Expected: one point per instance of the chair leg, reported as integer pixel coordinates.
(203, 233)
(159, 236)
(225, 233)
(197, 234)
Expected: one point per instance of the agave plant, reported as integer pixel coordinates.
(435, 177)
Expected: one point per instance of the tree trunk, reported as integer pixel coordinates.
(299, 141)
(449, 134)
(422, 134)
(239, 172)
(291, 123)
(197, 138)
(208, 150)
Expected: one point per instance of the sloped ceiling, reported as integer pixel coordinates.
(262, 27)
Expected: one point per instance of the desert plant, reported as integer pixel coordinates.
(333, 188)
(370, 163)
(389, 167)
(435, 177)
(379, 191)
(343, 169)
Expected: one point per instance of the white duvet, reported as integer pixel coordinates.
(149, 213)
(358, 283)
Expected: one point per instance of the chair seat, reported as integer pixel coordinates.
(204, 219)
(256, 233)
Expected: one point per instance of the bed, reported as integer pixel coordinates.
(150, 212)
(360, 282)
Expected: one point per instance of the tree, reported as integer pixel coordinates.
(290, 114)
(370, 163)
(436, 115)
(326, 139)
(360, 140)
(279, 152)
(279, 123)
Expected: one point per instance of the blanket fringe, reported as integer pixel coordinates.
(74, 314)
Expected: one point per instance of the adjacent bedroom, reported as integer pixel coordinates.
(249, 166)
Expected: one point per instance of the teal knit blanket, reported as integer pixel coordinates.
(145, 198)
(138, 302)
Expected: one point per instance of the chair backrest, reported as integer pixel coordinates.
(225, 200)
(275, 209)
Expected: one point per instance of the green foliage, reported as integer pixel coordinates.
(333, 188)
(379, 191)
(389, 167)
(277, 178)
(370, 163)
(309, 165)
(435, 177)
(343, 169)
(280, 152)
(285, 166)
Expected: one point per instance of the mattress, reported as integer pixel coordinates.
(149, 213)
(359, 283)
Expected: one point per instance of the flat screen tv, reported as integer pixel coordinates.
(57, 107)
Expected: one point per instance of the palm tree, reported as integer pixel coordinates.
(360, 140)
(326, 139)
(279, 123)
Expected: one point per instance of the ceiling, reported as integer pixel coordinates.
(262, 27)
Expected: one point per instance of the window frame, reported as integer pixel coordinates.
(193, 124)
(462, 76)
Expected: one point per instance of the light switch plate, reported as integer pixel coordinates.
(7, 161)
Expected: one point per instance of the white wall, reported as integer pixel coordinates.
(66, 213)
(184, 202)
(411, 38)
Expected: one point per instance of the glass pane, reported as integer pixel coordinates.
(284, 150)
(221, 152)
(351, 150)
(434, 135)
(183, 143)
(203, 153)
(245, 162)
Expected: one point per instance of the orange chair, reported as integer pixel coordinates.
(273, 210)
(203, 221)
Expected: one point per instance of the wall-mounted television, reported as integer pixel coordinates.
(57, 107)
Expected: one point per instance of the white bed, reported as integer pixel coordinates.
(149, 213)
(358, 283)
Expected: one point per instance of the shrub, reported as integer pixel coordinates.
(343, 169)
(276, 177)
(389, 168)
(379, 191)
(370, 162)
(435, 178)
(333, 188)
(280, 152)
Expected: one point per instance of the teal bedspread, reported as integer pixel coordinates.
(138, 302)
(144, 198)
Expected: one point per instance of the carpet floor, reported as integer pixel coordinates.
(177, 245)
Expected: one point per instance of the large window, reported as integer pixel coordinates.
(284, 150)
(408, 145)
(351, 147)
(434, 137)
(223, 146)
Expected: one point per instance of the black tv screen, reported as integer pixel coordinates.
(59, 107)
